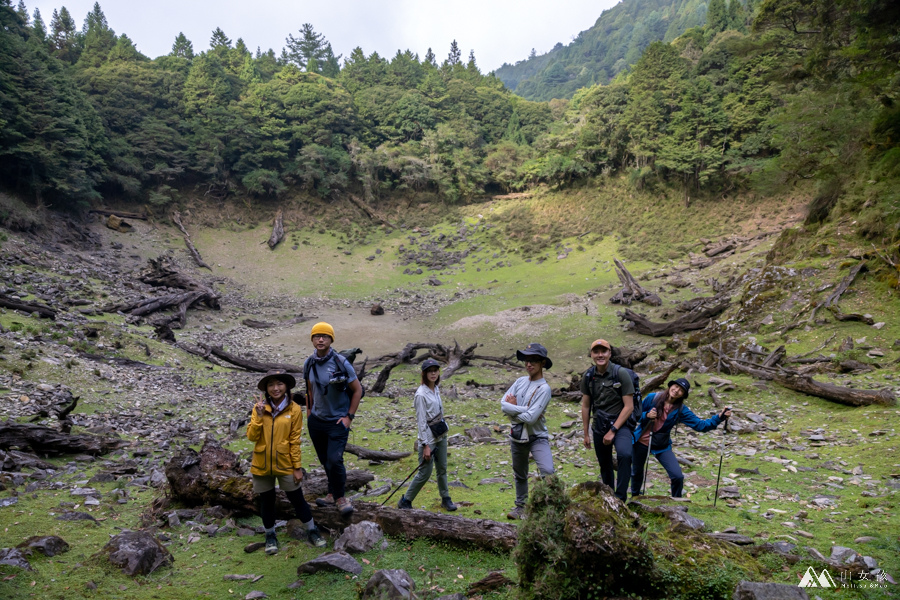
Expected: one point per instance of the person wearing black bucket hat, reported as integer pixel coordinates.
(432, 437)
(524, 403)
(660, 412)
(276, 423)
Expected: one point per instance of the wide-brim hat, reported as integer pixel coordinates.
(535, 349)
(279, 374)
(683, 384)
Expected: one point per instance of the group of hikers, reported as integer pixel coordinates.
(613, 414)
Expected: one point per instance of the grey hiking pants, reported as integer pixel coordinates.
(540, 449)
(439, 460)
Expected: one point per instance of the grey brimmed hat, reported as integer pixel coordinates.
(279, 374)
(535, 349)
(428, 363)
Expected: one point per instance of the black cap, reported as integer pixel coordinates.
(535, 349)
(428, 363)
(683, 384)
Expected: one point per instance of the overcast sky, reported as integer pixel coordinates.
(497, 30)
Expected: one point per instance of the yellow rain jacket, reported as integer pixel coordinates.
(277, 450)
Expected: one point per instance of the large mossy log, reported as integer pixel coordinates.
(213, 477)
(697, 319)
(51, 442)
(28, 307)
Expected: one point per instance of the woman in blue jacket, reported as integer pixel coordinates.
(661, 411)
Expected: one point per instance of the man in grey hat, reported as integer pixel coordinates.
(524, 404)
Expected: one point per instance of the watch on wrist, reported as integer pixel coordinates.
(351, 416)
(614, 429)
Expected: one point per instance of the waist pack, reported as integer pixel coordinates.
(438, 426)
(518, 433)
(602, 422)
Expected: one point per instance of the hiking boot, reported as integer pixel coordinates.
(315, 538)
(326, 501)
(516, 513)
(344, 506)
(271, 543)
(404, 503)
(447, 503)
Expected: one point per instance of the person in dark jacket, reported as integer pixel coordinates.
(660, 412)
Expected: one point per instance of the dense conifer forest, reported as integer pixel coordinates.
(757, 98)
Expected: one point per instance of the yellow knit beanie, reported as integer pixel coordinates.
(322, 328)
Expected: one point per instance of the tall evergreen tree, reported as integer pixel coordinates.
(717, 16)
(182, 47)
(430, 58)
(98, 38)
(63, 36)
(38, 28)
(312, 52)
(453, 58)
(219, 39)
(22, 11)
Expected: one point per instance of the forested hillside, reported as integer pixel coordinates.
(614, 43)
(808, 94)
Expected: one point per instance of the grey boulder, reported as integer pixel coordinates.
(137, 553)
(332, 561)
(389, 584)
(49, 545)
(361, 537)
(750, 590)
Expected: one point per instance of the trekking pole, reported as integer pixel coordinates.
(402, 482)
(721, 456)
(649, 447)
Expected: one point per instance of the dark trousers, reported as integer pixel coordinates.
(329, 439)
(267, 507)
(622, 443)
(669, 462)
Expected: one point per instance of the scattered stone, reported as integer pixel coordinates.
(76, 516)
(137, 553)
(255, 595)
(843, 554)
(14, 558)
(49, 545)
(360, 537)
(493, 480)
(733, 538)
(9, 501)
(749, 590)
(389, 584)
(493, 581)
(805, 534)
(332, 561)
(253, 547)
(863, 539)
(677, 515)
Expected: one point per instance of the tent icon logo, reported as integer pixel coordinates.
(810, 579)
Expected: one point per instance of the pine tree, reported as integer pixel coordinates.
(98, 38)
(455, 55)
(38, 27)
(219, 39)
(430, 58)
(736, 16)
(182, 47)
(63, 36)
(533, 54)
(309, 46)
(472, 66)
(22, 11)
(717, 16)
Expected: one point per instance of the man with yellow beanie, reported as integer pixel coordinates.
(332, 396)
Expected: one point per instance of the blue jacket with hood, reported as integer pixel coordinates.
(661, 440)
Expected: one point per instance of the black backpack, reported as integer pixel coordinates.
(636, 398)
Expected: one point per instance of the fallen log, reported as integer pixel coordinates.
(417, 523)
(691, 321)
(50, 442)
(805, 384)
(213, 477)
(840, 316)
(248, 363)
(187, 242)
(627, 357)
(719, 247)
(13, 460)
(775, 357)
(658, 381)
(119, 213)
(835, 296)
(30, 308)
(277, 230)
(116, 360)
(369, 212)
(366, 454)
(254, 324)
(631, 290)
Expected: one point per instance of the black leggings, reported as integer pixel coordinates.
(267, 507)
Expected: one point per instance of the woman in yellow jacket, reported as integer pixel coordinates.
(275, 426)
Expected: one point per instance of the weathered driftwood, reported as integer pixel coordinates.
(366, 454)
(127, 215)
(28, 307)
(213, 477)
(840, 316)
(842, 287)
(775, 357)
(697, 319)
(47, 441)
(416, 523)
(720, 247)
(631, 290)
(805, 384)
(277, 230)
(250, 364)
(176, 218)
(658, 381)
(118, 223)
(627, 357)
(13, 460)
